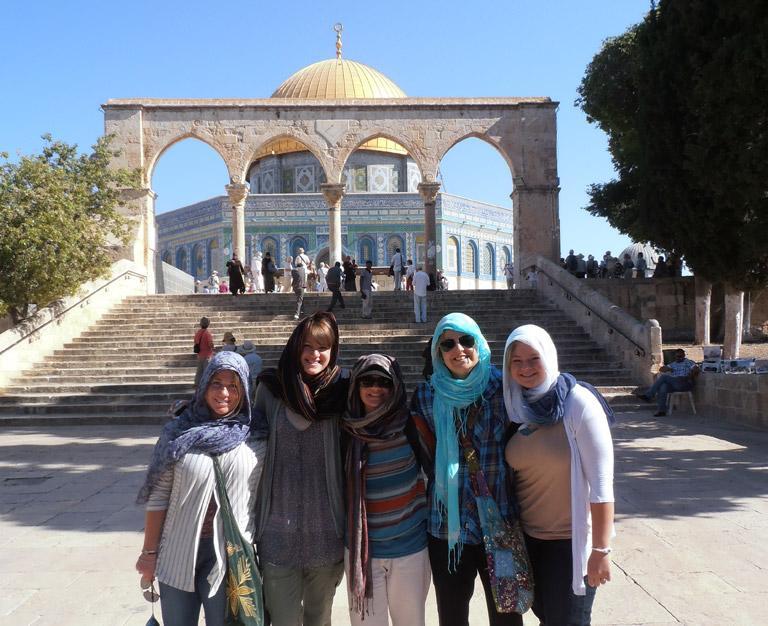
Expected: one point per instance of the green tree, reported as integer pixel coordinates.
(60, 222)
(683, 99)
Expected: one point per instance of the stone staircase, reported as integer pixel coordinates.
(130, 365)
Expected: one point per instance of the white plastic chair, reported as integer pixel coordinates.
(674, 397)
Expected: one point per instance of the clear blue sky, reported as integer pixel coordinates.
(63, 60)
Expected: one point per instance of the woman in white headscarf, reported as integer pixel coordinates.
(561, 458)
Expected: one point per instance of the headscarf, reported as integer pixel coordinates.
(196, 429)
(452, 398)
(318, 397)
(545, 403)
(386, 423)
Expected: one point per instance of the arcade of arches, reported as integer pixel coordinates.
(328, 143)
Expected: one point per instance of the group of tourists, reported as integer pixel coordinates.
(502, 474)
(613, 267)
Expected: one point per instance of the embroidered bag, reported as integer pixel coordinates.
(509, 567)
(245, 604)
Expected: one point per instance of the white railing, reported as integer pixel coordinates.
(637, 343)
(29, 342)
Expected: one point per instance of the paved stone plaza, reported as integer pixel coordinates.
(692, 513)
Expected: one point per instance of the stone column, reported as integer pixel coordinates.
(139, 206)
(703, 301)
(333, 194)
(237, 193)
(428, 192)
(536, 221)
(734, 322)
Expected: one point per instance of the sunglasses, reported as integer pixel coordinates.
(149, 593)
(376, 381)
(446, 345)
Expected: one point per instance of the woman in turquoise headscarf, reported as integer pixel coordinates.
(464, 394)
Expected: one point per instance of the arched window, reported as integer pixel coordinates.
(394, 242)
(213, 255)
(168, 257)
(269, 244)
(452, 255)
(488, 255)
(198, 261)
(470, 259)
(181, 258)
(507, 255)
(366, 250)
(296, 243)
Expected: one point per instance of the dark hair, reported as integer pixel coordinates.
(204, 322)
(338, 264)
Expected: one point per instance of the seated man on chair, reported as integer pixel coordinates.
(679, 375)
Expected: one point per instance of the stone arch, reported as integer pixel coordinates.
(197, 261)
(482, 136)
(452, 260)
(470, 257)
(167, 257)
(489, 253)
(366, 249)
(272, 245)
(282, 133)
(181, 258)
(156, 153)
(296, 243)
(393, 241)
(413, 152)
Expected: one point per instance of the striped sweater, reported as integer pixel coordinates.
(184, 492)
(395, 500)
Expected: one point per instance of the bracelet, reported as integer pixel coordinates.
(148, 552)
(602, 550)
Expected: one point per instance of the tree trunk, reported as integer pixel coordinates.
(703, 302)
(734, 319)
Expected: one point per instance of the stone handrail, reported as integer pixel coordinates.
(638, 343)
(28, 343)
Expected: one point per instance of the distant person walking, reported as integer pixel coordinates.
(641, 266)
(203, 347)
(268, 271)
(235, 272)
(410, 270)
(661, 270)
(322, 270)
(299, 286)
(509, 274)
(229, 342)
(349, 274)
(366, 290)
(420, 285)
(287, 267)
(397, 268)
(333, 280)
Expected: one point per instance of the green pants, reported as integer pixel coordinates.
(301, 596)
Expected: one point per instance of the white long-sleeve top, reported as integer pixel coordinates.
(184, 492)
(589, 437)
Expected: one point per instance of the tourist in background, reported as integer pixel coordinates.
(592, 267)
(509, 275)
(387, 564)
(420, 286)
(641, 266)
(285, 286)
(661, 270)
(628, 265)
(349, 274)
(229, 343)
(463, 395)
(410, 270)
(204, 344)
(248, 351)
(258, 278)
(333, 280)
(184, 547)
(299, 286)
(581, 266)
(299, 519)
(235, 273)
(311, 278)
(366, 290)
(397, 269)
(561, 459)
(213, 282)
(322, 270)
(268, 272)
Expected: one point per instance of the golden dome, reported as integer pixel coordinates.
(338, 79)
(286, 146)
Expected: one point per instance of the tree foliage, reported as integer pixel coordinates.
(682, 97)
(59, 222)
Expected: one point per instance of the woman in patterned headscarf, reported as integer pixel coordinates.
(463, 395)
(300, 515)
(183, 539)
(387, 564)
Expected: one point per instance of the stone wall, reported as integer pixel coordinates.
(740, 398)
(671, 301)
(172, 280)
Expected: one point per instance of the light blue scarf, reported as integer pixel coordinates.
(453, 396)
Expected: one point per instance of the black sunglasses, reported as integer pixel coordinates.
(376, 381)
(446, 345)
(149, 593)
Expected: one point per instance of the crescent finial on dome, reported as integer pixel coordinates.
(338, 27)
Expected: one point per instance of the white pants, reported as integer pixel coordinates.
(406, 580)
(420, 308)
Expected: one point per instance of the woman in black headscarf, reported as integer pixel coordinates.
(300, 516)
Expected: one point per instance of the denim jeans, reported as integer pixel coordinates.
(554, 602)
(420, 308)
(182, 608)
(666, 384)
